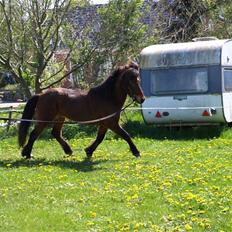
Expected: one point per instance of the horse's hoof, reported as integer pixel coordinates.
(30, 157)
(88, 159)
(27, 156)
(137, 155)
(88, 153)
(68, 151)
(67, 155)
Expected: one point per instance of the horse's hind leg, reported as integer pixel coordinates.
(57, 133)
(26, 152)
(100, 136)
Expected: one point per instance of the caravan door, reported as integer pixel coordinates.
(226, 64)
(227, 93)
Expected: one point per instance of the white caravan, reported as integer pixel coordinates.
(187, 83)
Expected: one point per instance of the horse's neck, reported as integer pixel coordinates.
(114, 93)
(120, 94)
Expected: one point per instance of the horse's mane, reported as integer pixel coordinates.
(106, 88)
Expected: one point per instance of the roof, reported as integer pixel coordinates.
(182, 54)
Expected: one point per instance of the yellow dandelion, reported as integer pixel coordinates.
(188, 227)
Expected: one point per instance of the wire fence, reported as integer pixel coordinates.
(11, 115)
(9, 112)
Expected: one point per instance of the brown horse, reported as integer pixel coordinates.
(56, 104)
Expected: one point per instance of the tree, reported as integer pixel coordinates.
(221, 18)
(120, 35)
(121, 31)
(180, 20)
(31, 33)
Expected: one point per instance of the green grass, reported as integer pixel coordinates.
(183, 182)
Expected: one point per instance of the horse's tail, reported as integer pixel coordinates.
(28, 113)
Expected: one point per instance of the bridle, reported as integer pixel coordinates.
(131, 91)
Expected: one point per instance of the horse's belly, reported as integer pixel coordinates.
(75, 111)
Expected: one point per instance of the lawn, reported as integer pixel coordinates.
(182, 182)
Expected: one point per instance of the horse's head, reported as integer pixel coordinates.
(134, 89)
(132, 64)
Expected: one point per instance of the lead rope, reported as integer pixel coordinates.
(69, 122)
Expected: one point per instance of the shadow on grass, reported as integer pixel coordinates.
(86, 165)
(136, 127)
(142, 130)
(69, 132)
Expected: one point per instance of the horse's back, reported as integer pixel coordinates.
(59, 102)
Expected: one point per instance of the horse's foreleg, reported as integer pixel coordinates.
(100, 136)
(122, 133)
(57, 133)
(26, 152)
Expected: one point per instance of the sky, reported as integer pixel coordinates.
(99, 1)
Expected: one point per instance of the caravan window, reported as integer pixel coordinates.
(228, 79)
(179, 80)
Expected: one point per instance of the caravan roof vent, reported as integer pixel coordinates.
(204, 39)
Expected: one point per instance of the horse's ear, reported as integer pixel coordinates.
(132, 64)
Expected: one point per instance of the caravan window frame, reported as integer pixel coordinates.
(174, 70)
(226, 88)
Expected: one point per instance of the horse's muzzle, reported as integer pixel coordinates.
(139, 99)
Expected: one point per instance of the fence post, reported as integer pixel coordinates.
(9, 118)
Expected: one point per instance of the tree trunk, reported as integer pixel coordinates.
(25, 87)
(37, 85)
(40, 69)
